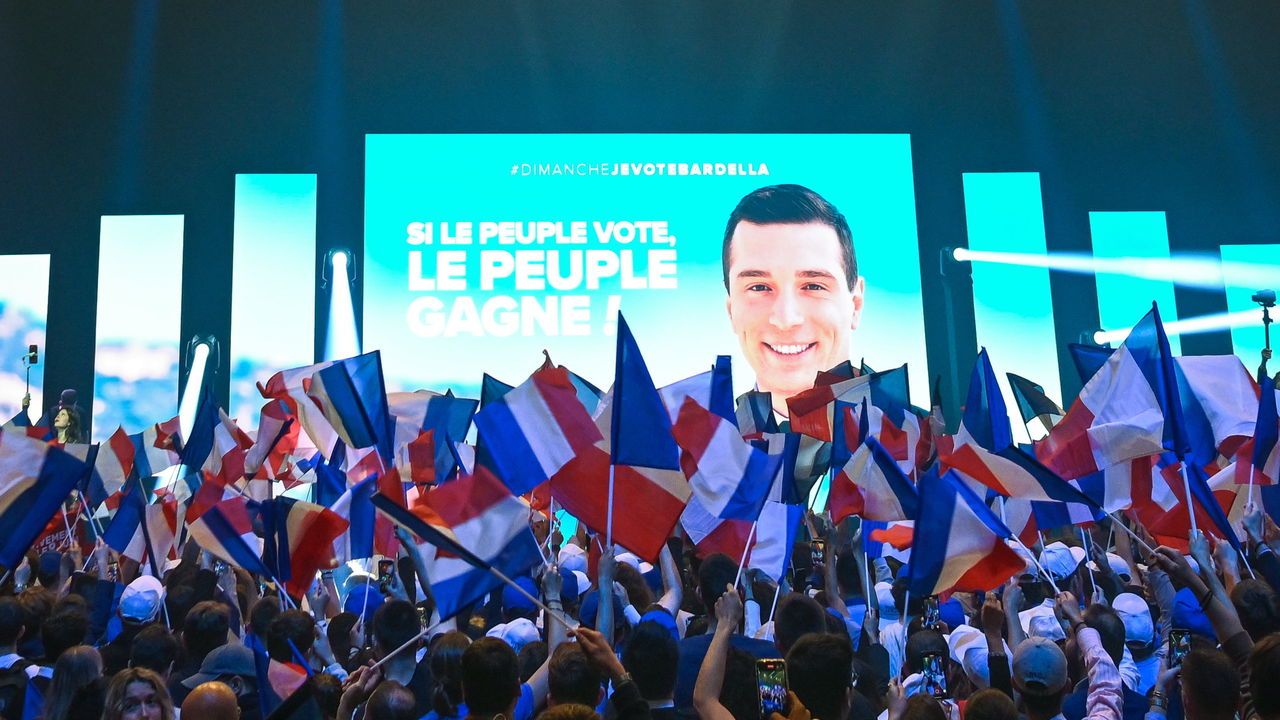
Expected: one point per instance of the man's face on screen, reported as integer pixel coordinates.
(790, 303)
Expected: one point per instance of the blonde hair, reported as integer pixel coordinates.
(120, 685)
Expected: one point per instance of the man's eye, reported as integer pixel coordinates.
(758, 287)
(815, 287)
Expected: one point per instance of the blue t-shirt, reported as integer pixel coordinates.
(693, 650)
(524, 708)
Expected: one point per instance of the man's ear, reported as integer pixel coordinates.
(859, 295)
(728, 306)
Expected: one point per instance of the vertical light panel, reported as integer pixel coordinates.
(273, 285)
(24, 312)
(1247, 341)
(139, 322)
(1123, 300)
(1013, 309)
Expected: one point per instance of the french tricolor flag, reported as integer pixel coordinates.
(891, 539)
(966, 549)
(774, 539)
(536, 428)
(1128, 409)
(1264, 461)
(469, 526)
(355, 505)
(35, 479)
(729, 476)
(226, 530)
(873, 486)
(353, 397)
(1013, 473)
(114, 461)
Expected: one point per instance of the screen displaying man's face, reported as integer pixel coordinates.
(790, 303)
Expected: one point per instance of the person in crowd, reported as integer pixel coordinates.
(446, 672)
(137, 694)
(1040, 670)
(76, 669)
(651, 658)
(155, 649)
(139, 605)
(231, 665)
(211, 701)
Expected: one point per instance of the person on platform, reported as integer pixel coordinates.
(794, 293)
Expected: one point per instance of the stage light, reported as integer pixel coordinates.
(1190, 326)
(1205, 272)
(199, 349)
(341, 336)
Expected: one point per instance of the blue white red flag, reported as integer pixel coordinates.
(966, 547)
(891, 539)
(35, 479)
(730, 477)
(535, 429)
(640, 428)
(299, 541)
(469, 526)
(985, 421)
(355, 505)
(353, 397)
(226, 530)
(872, 484)
(1012, 472)
(1265, 456)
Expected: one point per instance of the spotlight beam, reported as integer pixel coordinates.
(1190, 326)
(341, 339)
(1205, 272)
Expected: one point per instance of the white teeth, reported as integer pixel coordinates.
(789, 349)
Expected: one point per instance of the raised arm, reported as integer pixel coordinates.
(706, 692)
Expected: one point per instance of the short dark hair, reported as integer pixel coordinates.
(790, 205)
(651, 656)
(848, 576)
(390, 701)
(531, 657)
(394, 624)
(154, 648)
(739, 694)
(290, 626)
(12, 619)
(264, 610)
(797, 615)
(820, 673)
(571, 678)
(921, 643)
(1256, 604)
(490, 677)
(1110, 629)
(715, 572)
(1211, 684)
(990, 704)
(63, 631)
(1264, 666)
(446, 669)
(205, 628)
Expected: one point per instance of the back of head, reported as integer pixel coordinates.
(715, 573)
(155, 648)
(923, 707)
(1264, 667)
(530, 658)
(1256, 604)
(12, 619)
(395, 624)
(847, 575)
(796, 615)
(739, 694)
(990, 704)
(1210, 685)
(205, 628)
(1110, 628)
(490, 677)
(651, 657)
(1040, 676)
(292, 629)
(569, 711)
(921, 643)
(446, 670)
(211, 701)
(390, 701)
(262, 613)
(77, 668)
(62, 631)
(571, 678)
(820, 672)
(638, 592)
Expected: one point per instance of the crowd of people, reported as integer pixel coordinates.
(1119, 632)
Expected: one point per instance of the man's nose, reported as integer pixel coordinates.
(786, 311)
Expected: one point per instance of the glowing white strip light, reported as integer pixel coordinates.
(341, 339)
(1190, 326)
(1207, 272)
(191, 393)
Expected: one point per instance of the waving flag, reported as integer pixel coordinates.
(1013, 473)
(1088, 359)
(1219, 404)
(640, 427)
(225, 529)
(469, 525)
(985, 421)
(491, 391)
(966, 548)
(142, 531)
(113, 462)
(300, 538)
(815, 413)
(729, 477)
(535, 429)
(871, 484)
(891, 539)
(1265, 458)
(290, 387)
(353, 397)
(355, 505)
(755, 414)
(712, 390)
(278, 434)
(445, 417)
(1033, 404)
(1128, 409)
(34, 480)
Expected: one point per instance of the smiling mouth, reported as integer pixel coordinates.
(793, 350)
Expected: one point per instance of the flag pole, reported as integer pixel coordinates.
(1118, 521)
(1039, 567)
(777, 592)
(1186, 485)
(1084, 538)
(608, 528)
(746, 549)
(536, 601)
(408, 644)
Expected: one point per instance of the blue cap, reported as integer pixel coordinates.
(663, 618)
(568, 585)
(513, 599)
(364, 597)
(1187, 614)
(591, 605)
(951, 613)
